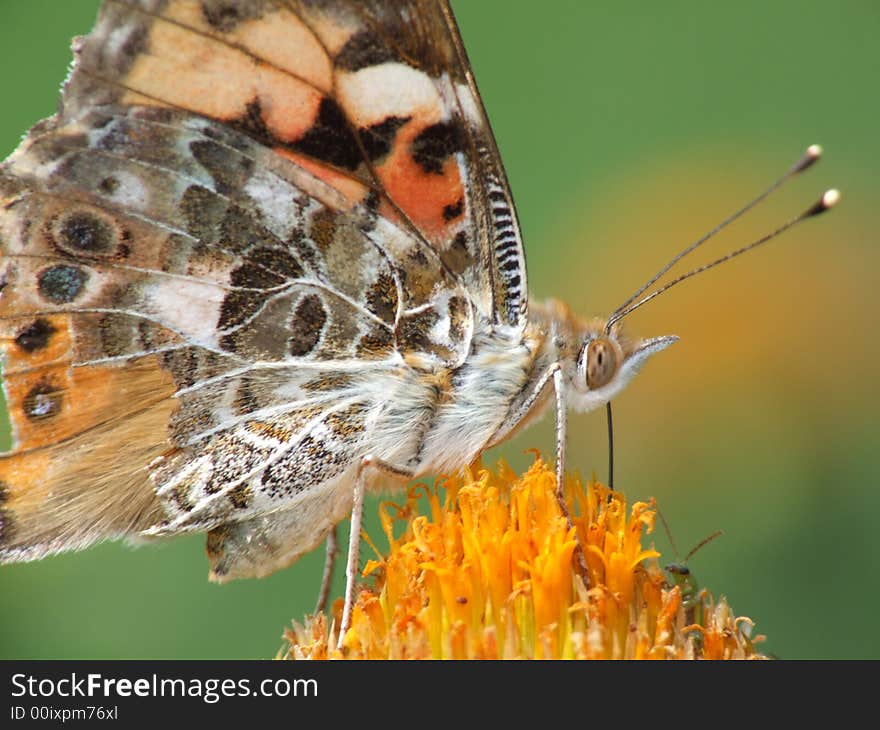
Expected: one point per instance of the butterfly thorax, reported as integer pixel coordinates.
(502, 386)
(474, 402)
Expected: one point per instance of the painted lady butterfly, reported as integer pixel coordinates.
(265, 257)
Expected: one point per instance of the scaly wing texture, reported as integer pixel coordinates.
(246, 217)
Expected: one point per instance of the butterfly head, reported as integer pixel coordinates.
(607, 361)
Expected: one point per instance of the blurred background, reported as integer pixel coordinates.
(626, 133)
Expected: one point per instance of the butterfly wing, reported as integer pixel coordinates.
(246, 222)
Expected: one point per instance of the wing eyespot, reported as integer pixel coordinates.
(43, 401)
(62, 284)
(35, 336)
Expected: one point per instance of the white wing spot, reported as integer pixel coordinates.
(375, 93)
(192, 310)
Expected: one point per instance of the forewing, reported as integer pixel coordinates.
(376, 98)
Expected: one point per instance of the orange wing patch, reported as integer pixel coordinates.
(91, 487)
(432, 200)
(352, 189)
(221, 80)
(83, 438)
(273, 34)
(36, 357)
(52, 403)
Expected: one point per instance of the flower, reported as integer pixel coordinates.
(488, 572)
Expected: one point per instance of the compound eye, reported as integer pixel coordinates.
(601, 363)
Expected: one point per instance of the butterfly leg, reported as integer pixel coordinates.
(561, 432)
(354, 537)
(327, 577)
(610, 446)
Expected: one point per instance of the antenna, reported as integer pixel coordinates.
(828, 200)
(679, 564)
(810, 157)
(668, 531)
(703, 542)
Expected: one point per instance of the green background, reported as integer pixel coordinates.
(626, 133)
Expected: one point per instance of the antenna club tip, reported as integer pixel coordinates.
(828, 200)
(808, 159)
(831, 198)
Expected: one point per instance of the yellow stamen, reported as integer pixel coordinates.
(488, 573)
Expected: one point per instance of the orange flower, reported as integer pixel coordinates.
(488, 573)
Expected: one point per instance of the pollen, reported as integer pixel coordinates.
(481, 567)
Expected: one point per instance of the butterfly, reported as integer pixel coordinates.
(264, 259)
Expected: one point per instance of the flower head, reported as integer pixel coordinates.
(487, 572)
